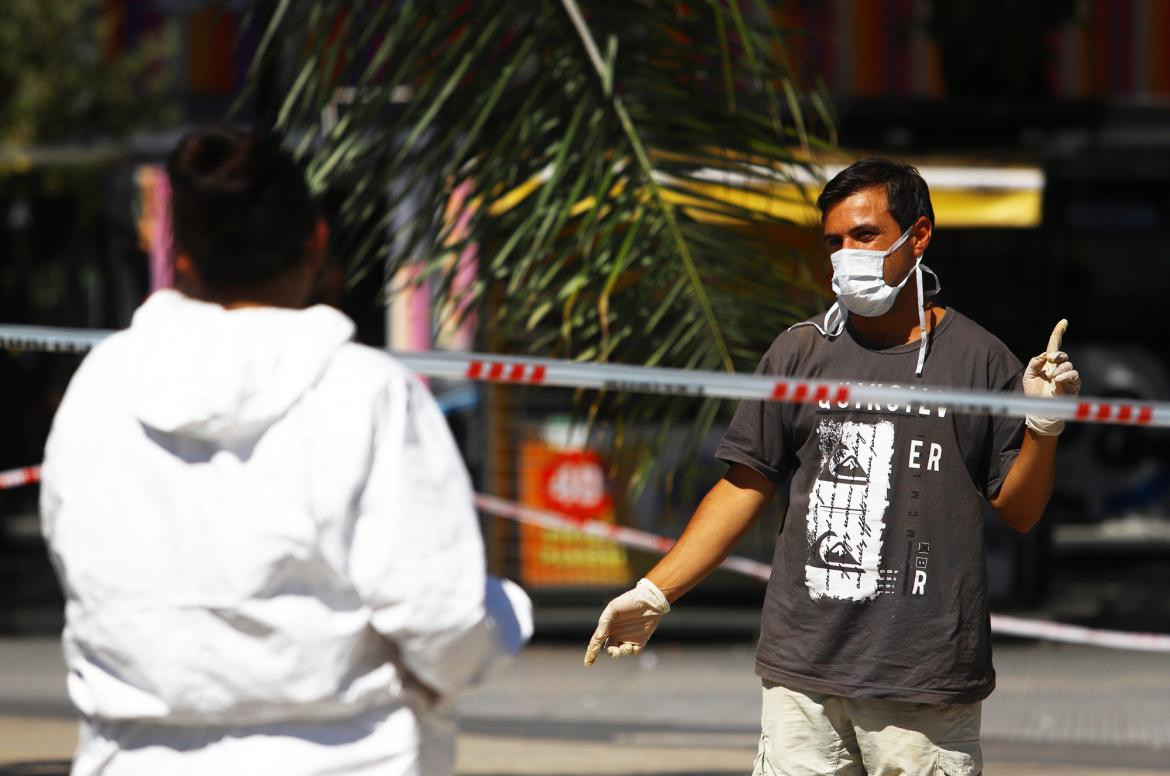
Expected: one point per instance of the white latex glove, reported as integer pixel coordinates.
(1047, 375)
(628, 621)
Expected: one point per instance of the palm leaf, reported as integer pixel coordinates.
(594, 135)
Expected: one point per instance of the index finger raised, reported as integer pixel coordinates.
(1056, 336)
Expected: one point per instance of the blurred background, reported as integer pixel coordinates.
(631, 182)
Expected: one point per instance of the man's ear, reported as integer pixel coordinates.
(187, 279)
(186, 275)
(318, 247)
(920, 237)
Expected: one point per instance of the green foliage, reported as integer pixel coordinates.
(580, 128)
(58, 82)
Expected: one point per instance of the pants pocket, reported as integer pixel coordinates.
(955, 763)
(762, 766)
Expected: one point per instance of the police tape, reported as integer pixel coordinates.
(644, 540)
(15, 478)
(1007, 625)
(552, 521)
(518, 370)
(1004, 625)
(627, 537)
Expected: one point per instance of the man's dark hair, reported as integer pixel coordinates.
(906, 193)
(240, 206)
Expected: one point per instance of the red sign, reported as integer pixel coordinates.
(574, 484)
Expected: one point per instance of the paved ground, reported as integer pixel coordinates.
(688, 710)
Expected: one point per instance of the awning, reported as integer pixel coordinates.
(963, 196)
(971, 197)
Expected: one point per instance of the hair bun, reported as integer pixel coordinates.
(209, 152)
(241, 208)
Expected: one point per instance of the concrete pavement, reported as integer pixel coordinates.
(690, 709)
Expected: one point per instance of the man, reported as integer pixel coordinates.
(875, 643)
(264, 531)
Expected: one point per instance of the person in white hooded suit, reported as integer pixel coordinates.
(265, 533)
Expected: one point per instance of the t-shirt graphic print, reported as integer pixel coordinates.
(847, 508)
(879, 582)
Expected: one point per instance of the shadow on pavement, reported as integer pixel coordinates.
(38, 768)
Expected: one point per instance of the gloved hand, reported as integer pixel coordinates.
(1047, 375)
(628, 621)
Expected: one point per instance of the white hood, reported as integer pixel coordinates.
(218, 374)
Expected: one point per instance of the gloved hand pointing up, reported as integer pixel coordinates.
(1047, 375)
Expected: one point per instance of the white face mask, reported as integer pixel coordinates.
(859, 279)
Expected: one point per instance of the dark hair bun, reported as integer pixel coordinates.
(241, 208)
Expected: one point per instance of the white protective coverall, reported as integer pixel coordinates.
(267, 541)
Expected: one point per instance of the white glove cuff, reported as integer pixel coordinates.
(1044, 426)
(657, 597)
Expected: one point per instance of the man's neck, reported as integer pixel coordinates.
(898, 326)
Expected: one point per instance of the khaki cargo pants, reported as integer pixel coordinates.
(811, 734)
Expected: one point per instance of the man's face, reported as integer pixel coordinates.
(863, 221)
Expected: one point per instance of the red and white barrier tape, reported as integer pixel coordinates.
(682, 382)
(628, 537)
(643, 540)
(14, 478)
(1076, 634)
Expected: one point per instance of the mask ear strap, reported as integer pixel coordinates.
(834, 322)
(937, 282)
(923, 336)
(898, 243)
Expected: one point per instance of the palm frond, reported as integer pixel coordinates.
(618, 155)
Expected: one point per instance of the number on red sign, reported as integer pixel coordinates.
(577, 485)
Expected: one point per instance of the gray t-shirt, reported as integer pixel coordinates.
(879, 585)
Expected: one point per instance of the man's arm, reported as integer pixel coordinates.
(1028, 485)
(724, 514)
(722, 517)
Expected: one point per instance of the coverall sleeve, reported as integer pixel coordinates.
(417, 557)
